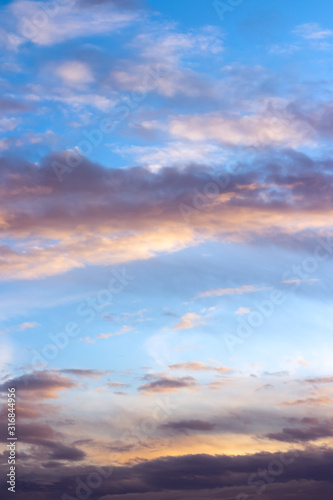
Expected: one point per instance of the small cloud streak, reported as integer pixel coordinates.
(243, 310)
(232, 291)
(312, 31)
(25, 326)
(198, 366)
(168, 385)
(189, 320)
(124, 329)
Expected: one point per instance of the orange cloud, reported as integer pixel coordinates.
(189, 320)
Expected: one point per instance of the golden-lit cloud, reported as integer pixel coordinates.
(189, 320)
(137, 214)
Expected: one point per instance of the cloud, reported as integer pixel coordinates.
(282, 373)
(167, 385)
(4, 144)
(166, 45)
(302, 362)
(59, 451)
(67, 22)
(135, 214)
(75, 73)
(311, 401)
(8, 124)
(188, 348)
(11, 106)
(81, 372)
(198, 366)
(312, 31)
(120, 4)
(316, 430)
(189, 320)
(195, 477)
(310, 490)
(250, 130)
(31, 324)
(165, 52)
(44, 439)
(80, 101)
(163, 79)
(174, 153)
(243, 310)
(189, 425)
(232, 291)
(122, 331)
(284, 48)
(88, 340)
(39, 385)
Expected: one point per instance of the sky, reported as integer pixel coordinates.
(166, 257)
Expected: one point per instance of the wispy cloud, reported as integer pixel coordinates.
(312, 31)
(242, 310)
(68, 22)
(122, 331)
(28, 325)
(308, 401)
(75, 73)
(198, 366)
(189, 320)
(233, 291)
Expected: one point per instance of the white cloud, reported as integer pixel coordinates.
(249, 130)
(80, 101)
(75, 72)
(168, 46)
(167, 79)
(7, 124)
(42, 27)
(284, 48)
(174, 154)
(165, 51)
(312, 31)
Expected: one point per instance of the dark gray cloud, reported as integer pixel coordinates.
(122, 196)
(167, 384)
(191, 477)
(59, 451)
(10, 106)
(39, 384)
(308, 429)
(81, 372)
(189, 425)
